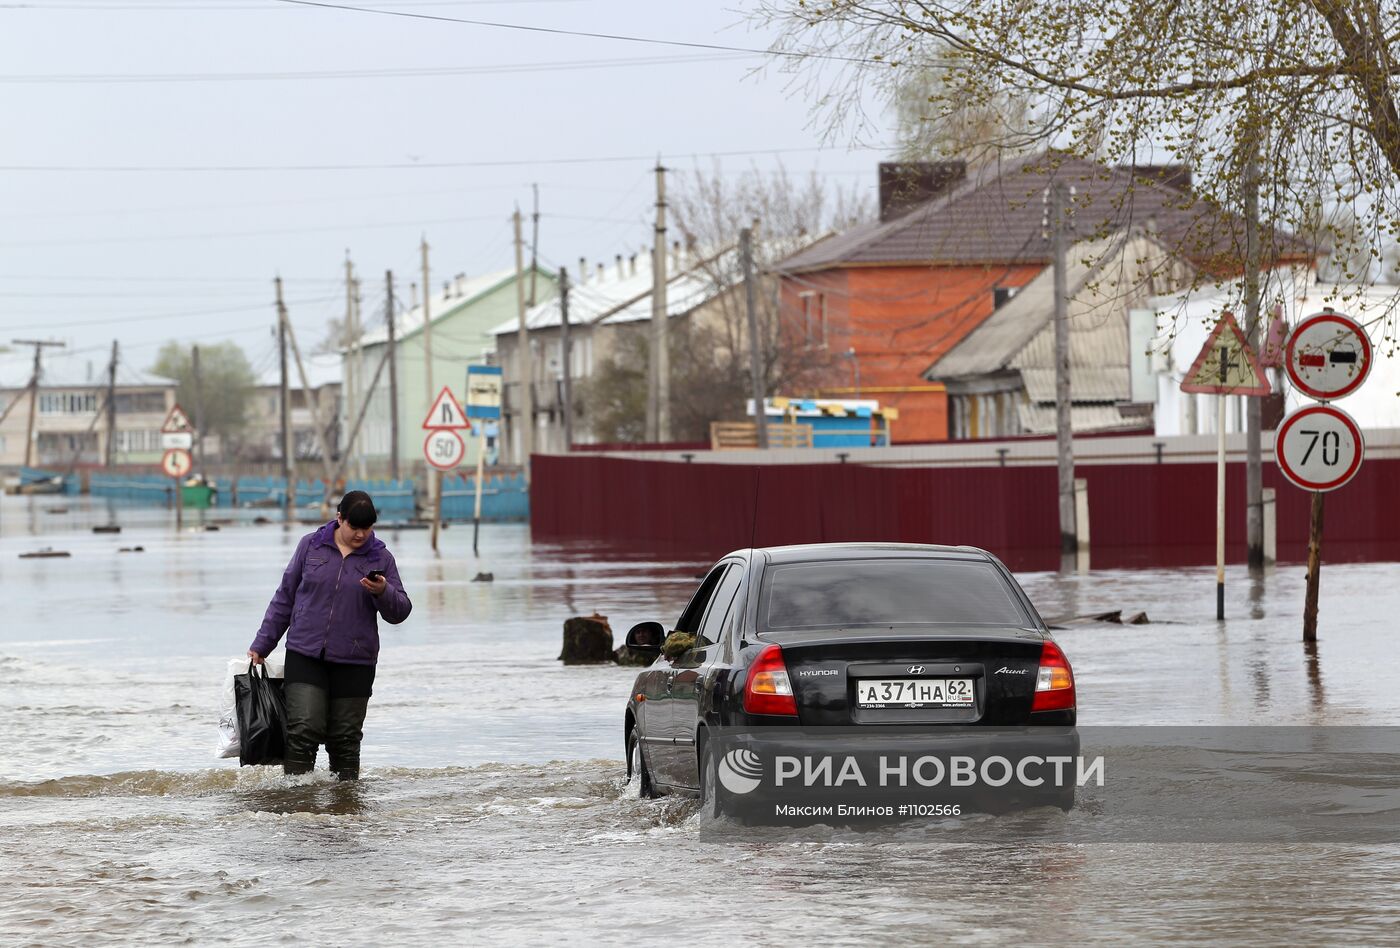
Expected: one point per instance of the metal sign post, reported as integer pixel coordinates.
(177, 437)
(483, 404)
(1226, 366)
(1319, 447)
(443, 448)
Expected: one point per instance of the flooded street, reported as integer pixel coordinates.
(494, 811)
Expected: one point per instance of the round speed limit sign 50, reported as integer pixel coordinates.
(1319, 447)
(444, 449)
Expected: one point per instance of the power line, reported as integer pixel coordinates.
(122, 318)
(431, 165)
(403, 73)
(557, 31)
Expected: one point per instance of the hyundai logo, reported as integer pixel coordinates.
(916, 669)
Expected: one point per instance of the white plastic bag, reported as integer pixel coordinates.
(228, 713)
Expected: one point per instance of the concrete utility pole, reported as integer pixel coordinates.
(285, 410)
(198, 406)
(389, 320)
(1064, 431)
(755, 356)
(565, 355)
(524, 364)
(659, 365)
(33, 392)
(111, 408)
(1254, 469)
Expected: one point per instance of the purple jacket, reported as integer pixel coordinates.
(322, 606)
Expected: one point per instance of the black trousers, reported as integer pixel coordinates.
(326, 704)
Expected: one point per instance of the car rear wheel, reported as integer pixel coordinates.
(637, 774)
(715, 801)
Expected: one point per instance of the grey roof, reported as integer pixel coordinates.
(996, 215)
(1040, 419)
(1105, 278)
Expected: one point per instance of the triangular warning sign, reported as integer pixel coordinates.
(177, 421)
(1227, 365)
(445, 413)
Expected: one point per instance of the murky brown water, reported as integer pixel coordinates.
(493, 809)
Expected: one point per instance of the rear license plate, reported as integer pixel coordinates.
(914, 692)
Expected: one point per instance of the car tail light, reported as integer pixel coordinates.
(1054, 682)
(769, 689)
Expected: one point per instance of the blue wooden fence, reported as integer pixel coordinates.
(502, 498)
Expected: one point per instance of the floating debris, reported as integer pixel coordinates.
(107, 528)
(56, 510)
(46, 553)
(132, 549)
(211, 527)
(261, 520)
(484, 578)
(1114, 616)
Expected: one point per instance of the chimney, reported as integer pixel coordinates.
(633, 261)
(583, 269)
(906, 185)
(447, 289)
(675, 255)
(600, 271)
(620, 274)
(413, 296)
(1173, 176)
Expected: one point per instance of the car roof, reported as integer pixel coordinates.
(807, 552)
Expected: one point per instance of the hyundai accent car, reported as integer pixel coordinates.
(840, 639)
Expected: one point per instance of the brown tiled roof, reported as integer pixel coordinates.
(996, 216)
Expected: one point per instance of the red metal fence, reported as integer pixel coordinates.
(1139, 514)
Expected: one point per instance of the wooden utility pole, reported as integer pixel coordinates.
(1064, 431)
(1254, 468)
(198, 407)
(566, 356)
(352, 349)
(755, 357)
(39, 347)
(1314, 569)
(658, 365)
(390, 320)
(313, 407)
(285, 408)
(534, 246)
(524, 364)
(111, 409)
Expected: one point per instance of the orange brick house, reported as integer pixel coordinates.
(885, 300)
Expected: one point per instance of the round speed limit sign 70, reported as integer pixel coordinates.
(444, 449)
(1319, 447)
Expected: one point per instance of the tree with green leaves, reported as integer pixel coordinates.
(225, 385)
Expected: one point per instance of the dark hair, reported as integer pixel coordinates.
(358, 510)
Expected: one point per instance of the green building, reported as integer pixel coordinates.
(463, 314)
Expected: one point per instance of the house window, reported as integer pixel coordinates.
(1001, 295)
(139, 441)
(67, 403)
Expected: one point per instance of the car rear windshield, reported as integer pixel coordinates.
(887, 592)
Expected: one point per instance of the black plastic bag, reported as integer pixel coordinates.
(262, 717)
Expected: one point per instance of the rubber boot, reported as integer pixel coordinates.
(344, 731)
(306, 726)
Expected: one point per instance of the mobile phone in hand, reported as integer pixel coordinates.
(375, 574)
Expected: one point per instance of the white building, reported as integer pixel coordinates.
(1176, 327)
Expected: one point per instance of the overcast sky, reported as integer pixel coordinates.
(160, 253)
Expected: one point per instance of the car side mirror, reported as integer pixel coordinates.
(646, 637)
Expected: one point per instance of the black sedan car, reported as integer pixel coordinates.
(840, 639)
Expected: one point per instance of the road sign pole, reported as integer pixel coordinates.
(179, 505)
(480, 473)
(1314, 569)
(437, 506)
(1220, 512)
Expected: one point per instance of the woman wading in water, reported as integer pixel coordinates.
(341, 578)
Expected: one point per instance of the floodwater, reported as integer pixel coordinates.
(493, 808)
